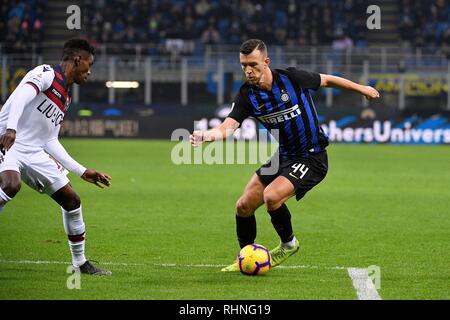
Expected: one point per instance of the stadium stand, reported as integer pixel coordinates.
(176, 38)
(227, 22)
(188, 25)
(428, 20)
(21, 25)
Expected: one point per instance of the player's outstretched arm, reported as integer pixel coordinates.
(57, 151)
(225, 129)
(327, 80)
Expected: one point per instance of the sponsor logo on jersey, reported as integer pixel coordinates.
(51, 111)
(261, 106)
(56, 93)
(281, 116)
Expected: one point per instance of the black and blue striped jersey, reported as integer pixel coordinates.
(288, 108)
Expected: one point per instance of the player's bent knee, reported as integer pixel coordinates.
(11, 188)
(272, 200)
(67, 198)
(244, 208)
(73, 202)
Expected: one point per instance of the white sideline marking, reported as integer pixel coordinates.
(66, 262)
(173, 265)
(365, 289)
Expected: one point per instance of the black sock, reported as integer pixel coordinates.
(246, 230)
(281, 220)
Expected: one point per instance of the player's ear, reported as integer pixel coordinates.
(77, 60)
(267, 61)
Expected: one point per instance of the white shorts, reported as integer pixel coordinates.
(37, 169)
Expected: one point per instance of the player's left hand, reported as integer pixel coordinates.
(101, 180)
(370, 93)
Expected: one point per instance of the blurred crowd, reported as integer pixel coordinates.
(187, 24)
(21, 24)
(304, 22)
(425, 23)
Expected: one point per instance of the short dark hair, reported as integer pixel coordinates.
(248, 46)
(73, 47)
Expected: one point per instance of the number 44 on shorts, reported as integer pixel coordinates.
(300, 168)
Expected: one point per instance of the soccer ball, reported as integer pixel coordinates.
(254, 259)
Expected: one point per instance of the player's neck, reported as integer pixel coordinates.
(67, 70)
(266, 80)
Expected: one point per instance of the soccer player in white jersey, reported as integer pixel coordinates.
(30, 121)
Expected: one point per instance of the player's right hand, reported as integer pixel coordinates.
(7, 140)
(196, 138)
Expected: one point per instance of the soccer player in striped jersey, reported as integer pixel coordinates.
(280, 99)
(30, 121)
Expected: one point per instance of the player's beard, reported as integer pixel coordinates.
(82, 79)
(254, 80)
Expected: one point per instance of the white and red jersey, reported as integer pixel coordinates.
(42, 117)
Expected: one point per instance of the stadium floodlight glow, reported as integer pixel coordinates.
(122, 84)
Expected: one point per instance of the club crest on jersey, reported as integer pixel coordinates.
(281, 116)
(285, 97)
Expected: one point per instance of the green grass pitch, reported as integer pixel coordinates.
(165, 229)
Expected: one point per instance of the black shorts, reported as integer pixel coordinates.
(303, 172)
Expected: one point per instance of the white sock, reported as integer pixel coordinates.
(75, 229)
(4, 198)
(290, 244)
(77, 251)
